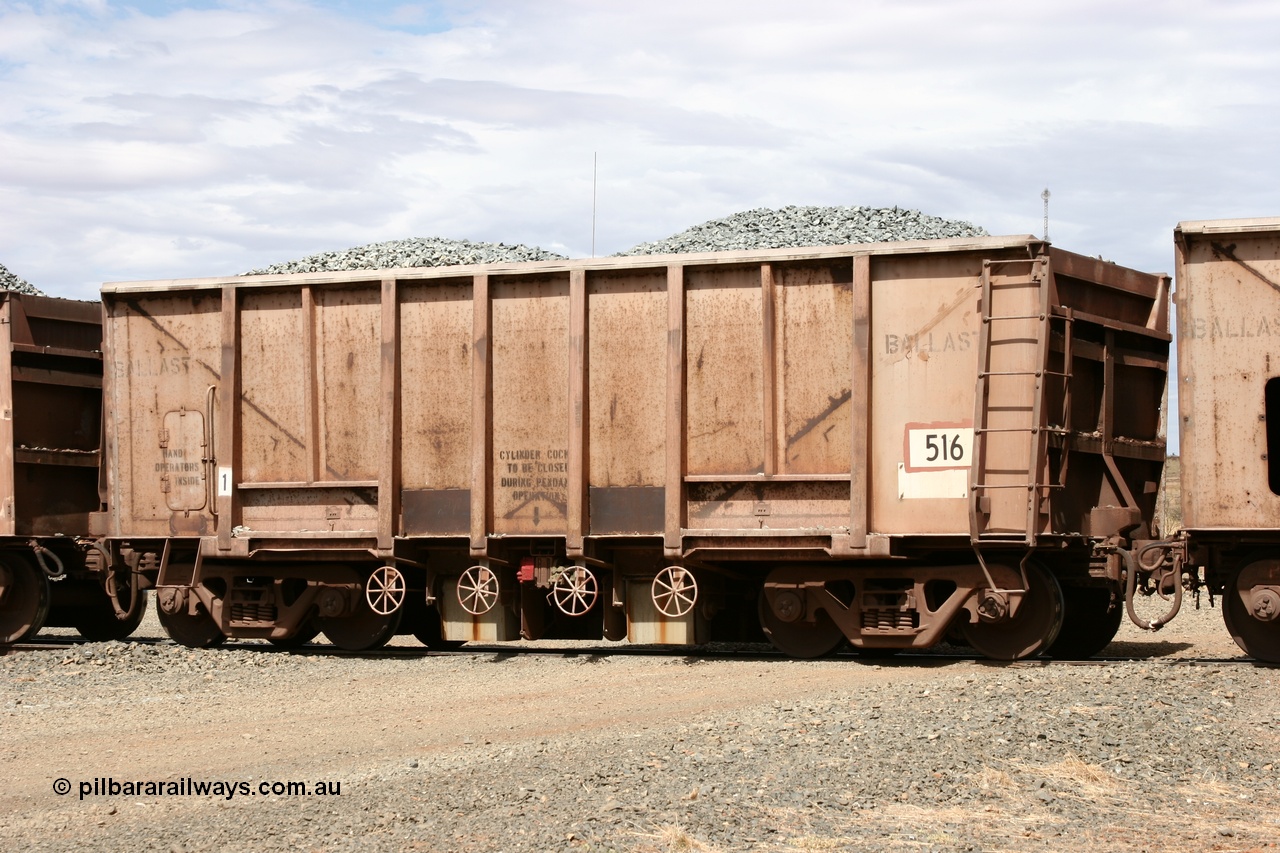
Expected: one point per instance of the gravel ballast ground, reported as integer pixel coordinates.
(595, 752)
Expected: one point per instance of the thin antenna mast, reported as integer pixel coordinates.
(1045, 195)
(595, 161)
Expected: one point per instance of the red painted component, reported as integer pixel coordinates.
(526, 570)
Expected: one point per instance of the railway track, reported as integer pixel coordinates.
(761, 653)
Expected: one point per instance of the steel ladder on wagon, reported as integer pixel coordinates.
(1011, 480)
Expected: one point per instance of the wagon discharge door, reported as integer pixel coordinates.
(182, 466)
(1009, 469)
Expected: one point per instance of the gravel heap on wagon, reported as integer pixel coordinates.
(761, 228)
(412, 252)
(791, 226)
(9, 281)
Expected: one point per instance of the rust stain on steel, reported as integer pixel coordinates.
(834, 403)
(1228, 251)
(137, 308)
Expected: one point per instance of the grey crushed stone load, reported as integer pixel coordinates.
(412, 252)
(792, 226)
(761, 228)
(9, 281)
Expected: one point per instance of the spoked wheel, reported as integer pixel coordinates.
(801, 638)
(575, 590)
(305, 634)
(385, 590)
(478, 590)
(1258, 637)
(1033, 629)
(1090, 621)
(24, 599)
(194, 632)
(675, 591)
(362, 629)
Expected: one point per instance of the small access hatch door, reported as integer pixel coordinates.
(181, 466)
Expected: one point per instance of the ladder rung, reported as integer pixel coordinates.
(1005, 429)
(1011, 373)
(977, 486)
(1013, 317)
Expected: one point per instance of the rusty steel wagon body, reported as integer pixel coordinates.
(887, 444)
(1228, 300)
(50, 438)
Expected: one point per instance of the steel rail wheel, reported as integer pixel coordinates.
(801, 638)
(1090, 621)
(99, 622)
(305, 634)
(1032, 630)
(362, 629)
(194, 632)
(1258, 638)
(24, 599)
(429, 629)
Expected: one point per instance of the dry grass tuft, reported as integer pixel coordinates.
(991, 779)
(1073, 769)
(673, 838)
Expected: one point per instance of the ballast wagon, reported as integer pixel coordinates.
(50, 438)
(1228, 301)
(883, 444)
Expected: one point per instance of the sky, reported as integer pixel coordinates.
(155, 140)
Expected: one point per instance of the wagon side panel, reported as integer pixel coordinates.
(1229, 372)
(163, 359)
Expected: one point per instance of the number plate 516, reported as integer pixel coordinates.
(930, 447)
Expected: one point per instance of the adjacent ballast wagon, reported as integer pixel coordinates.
(1228, 300)
(51, 572)
(886, 445)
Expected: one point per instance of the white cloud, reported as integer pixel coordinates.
(149, 140)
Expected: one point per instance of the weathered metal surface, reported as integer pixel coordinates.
(739, 408)
(435, 385)
(163, 357)
(50, 414)
(626, 509)
(726, 367)
(436, 512)
(812, 349)
(530, 374)
(498, 624)
(724, 426)
(1228, 298)
(646, 624)
(925, 325)
(626, 346)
